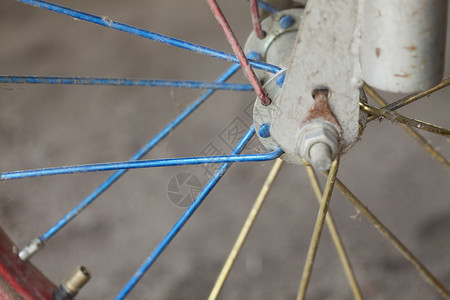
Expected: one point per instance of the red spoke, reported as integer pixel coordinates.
(231, 38)
(255, 19)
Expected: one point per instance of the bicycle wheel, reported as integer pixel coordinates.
(59, 125)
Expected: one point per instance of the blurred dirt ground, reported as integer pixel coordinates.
(45, 125)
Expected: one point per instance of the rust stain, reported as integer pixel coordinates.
(320, 109)
(411, 48)
(377, 52)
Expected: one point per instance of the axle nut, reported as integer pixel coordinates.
(318, 144)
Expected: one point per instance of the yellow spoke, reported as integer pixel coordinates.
(428, 147)
(395, 117)
(245, 230)
(393, 239)
(409, 99)
(336, 237)
(314, 245)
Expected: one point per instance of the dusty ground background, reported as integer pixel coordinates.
(44, 126)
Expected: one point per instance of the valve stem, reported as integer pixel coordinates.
(71, 286)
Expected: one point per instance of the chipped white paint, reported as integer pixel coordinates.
(403, 45)
(326, 54)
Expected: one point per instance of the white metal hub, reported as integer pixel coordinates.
(326, 54)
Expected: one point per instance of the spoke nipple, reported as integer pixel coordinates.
(31, 249)
(70, 287)
(286, 21)
(266, 103)
(264, 130)
(265, 100)
(254, 55)
(262, 35)
(280, 80)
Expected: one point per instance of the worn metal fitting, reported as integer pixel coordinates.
(318, 144)
(71, 286)
(276, 47)
(263, 115)
(286, 21)
(280, 80)
(78, 279)
(34, 246)
(264, 130)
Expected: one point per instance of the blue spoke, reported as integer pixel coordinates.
(152, 163)
(146, 34)
(183, 219)
(125, 82)
(267, 7)
(138, 155)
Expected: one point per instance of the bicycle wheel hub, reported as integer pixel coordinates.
(310, 127)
